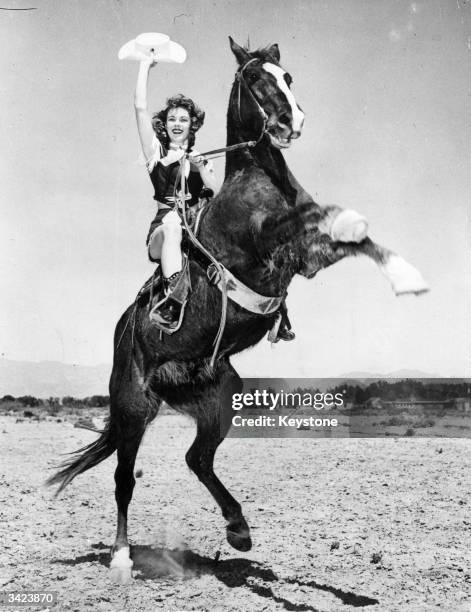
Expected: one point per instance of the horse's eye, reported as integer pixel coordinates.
(252, 77)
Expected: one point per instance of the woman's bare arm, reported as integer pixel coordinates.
(143, 118)
(209, 177)
(206, 171)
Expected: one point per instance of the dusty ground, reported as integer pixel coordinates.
(337, 524)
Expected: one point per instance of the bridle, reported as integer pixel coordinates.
(239, 77)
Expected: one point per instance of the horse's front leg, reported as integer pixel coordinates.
(213, 422)
(324, 235)
(341, 225)
(404, 277)
(341, 233)
(349, 228)
(331, 222)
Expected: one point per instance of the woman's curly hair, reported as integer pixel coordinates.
(160, 119)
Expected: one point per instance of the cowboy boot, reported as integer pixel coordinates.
(169, 313)
(285, 334)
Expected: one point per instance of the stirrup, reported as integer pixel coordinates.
(159, 321)
(177, 293)
(156, 307)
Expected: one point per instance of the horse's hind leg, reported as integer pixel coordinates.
(200, 459)
(128, 446)
(132, 411)
(212, 427)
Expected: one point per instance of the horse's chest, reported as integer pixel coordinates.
(255, 189)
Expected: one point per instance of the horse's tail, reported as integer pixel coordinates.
(83, 459)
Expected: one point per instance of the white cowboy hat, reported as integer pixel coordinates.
(164, 49)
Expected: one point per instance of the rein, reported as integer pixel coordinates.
(234, 147)
(214, 261)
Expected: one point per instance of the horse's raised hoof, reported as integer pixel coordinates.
(121, 566)
(349, 226)
(238, 535)
(403, 277)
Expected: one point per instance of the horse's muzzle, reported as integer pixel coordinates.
(290, 130)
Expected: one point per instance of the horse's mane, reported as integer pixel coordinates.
(263, 53)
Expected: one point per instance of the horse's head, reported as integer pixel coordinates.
(261, 99)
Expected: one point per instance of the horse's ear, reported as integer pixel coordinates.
(274, 52)
(241, 54)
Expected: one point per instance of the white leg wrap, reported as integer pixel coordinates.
(121, 558)
(403, 277)
(349, 226)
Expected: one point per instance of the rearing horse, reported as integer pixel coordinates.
(263, 228)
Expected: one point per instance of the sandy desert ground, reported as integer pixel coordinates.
(337, 524)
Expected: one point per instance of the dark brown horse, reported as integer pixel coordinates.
(264, 228)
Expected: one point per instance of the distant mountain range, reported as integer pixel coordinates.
(52, 379)
(55, 379)
(395, 374)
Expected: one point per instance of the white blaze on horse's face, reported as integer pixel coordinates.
(296, 112)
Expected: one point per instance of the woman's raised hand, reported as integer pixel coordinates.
(152, 60)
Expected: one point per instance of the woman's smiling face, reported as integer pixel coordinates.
(178, 125)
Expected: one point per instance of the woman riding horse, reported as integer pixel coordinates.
(165, 138)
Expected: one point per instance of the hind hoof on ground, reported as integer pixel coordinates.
(349, 226)
(238, 535)
(403, 277)
(121, 566)
(120, 575)
(239, 542)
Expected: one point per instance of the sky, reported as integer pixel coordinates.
(386, 91)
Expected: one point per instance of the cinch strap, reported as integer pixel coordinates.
(243, 295)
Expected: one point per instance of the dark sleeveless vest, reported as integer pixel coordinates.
(164, 178)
